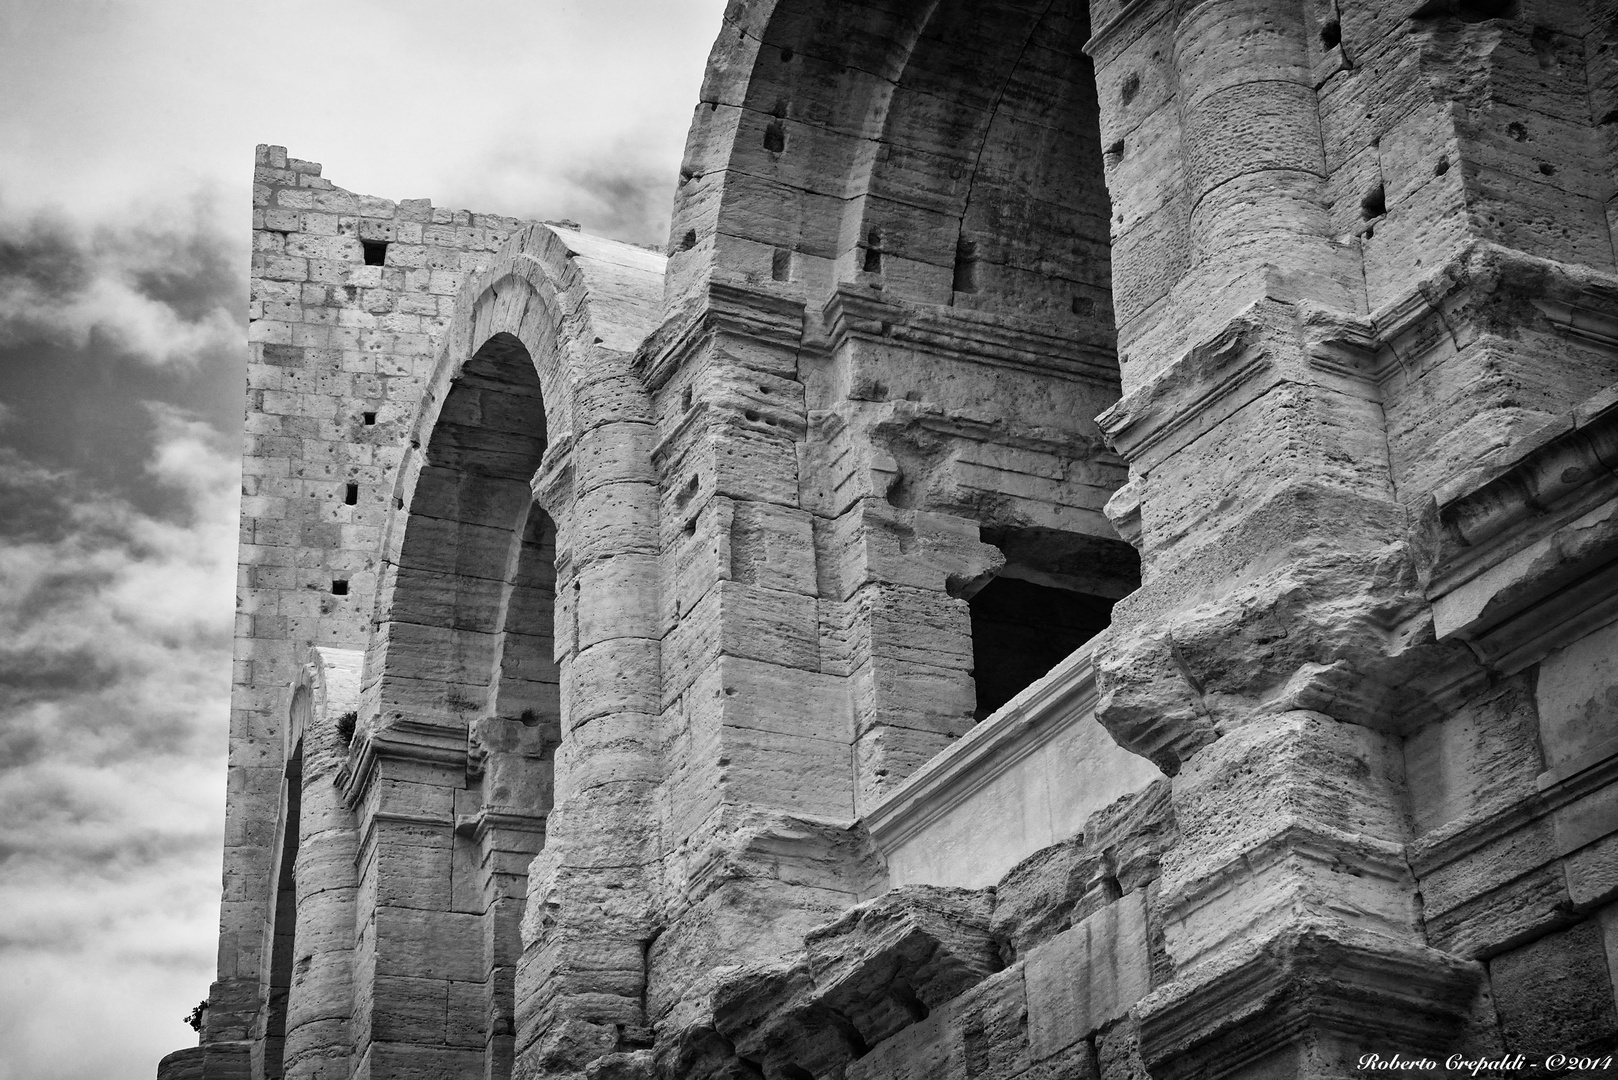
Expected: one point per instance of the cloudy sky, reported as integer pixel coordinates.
(128, 129)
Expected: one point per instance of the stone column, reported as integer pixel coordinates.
(1266, 664)
(1254, 158)
(589, 917)
(321, 999)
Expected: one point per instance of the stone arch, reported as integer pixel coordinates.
(524, 494)
(536, 361)
(949, 150)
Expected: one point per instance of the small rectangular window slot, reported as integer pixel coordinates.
(873, 252)
(351, 494)
(339, 588)
(376, 251)
(369, 418)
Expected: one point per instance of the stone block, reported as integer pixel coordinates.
(928, 1050)
(773, 547)
(895, 958)
(429, 945)
(992, 1018)
(1048, 893)
(1088, 976)
(1482, 758)
(1555, 995)
(1592, 873)
(1577, 695)
(406, 1010)
(1526, 907)
(1117, 1051)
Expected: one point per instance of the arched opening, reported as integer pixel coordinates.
(467, 560)
(468, 634)
(991, 176)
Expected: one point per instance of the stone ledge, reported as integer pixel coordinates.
(1312, 976)
(961, 781)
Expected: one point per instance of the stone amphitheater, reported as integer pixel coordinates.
(1093, 554)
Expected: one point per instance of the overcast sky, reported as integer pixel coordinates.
(127, 130)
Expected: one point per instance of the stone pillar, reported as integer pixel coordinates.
(1253, 155)
(320, 1001)
(589, 918)
(512, 762)
(1267, 662)
(758, 788)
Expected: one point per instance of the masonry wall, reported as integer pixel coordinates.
(340, 350)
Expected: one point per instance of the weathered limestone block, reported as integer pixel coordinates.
(773, 1018)
(891, 960)
(1346, 635)
(1059, 887)
(1478, 761)
(992, 1021)
(1317, 988)
(1088, 976)
(1133, 833)
(1118, 1052)
(927, 1050)
(1047, 893)
(1555, 995)
(1290, 816)
(633, 1065)
(752, 885)
(187, 1064)
(1577, 696)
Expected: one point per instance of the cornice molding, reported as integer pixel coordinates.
(1521, 558)
(401, 740)
(721, 308)
(1021, 344)
(1311, 976)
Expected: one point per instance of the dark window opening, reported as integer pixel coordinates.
(339, 587)
(1055, 593)
(351, 494)
(966, 266)
(873, 252)
(376, 251)
(1331, 35)
(1375, 203)
(781, 265)
(1021, 629)
(369, 418)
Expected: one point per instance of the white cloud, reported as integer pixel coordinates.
(114, 705)
(153, 292)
